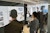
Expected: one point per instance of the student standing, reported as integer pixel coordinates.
(34, 24)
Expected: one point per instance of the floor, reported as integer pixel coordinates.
(26, 29)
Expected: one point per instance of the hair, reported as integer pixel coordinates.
(13, 13)
(42, 7)
(35, 14)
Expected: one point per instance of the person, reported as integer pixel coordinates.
(34, 24)
(42, 19)
(14, 26)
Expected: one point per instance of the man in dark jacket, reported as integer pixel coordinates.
(14, 26)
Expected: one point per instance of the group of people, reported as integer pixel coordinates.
(38, 20)
(35, 23)
(16, 27)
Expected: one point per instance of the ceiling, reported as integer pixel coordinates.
(5, 3)
(28, 1)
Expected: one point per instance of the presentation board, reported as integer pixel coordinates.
(5, 14)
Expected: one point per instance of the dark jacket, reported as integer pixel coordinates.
(13, 27)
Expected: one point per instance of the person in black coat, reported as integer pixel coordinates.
(14, 26)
